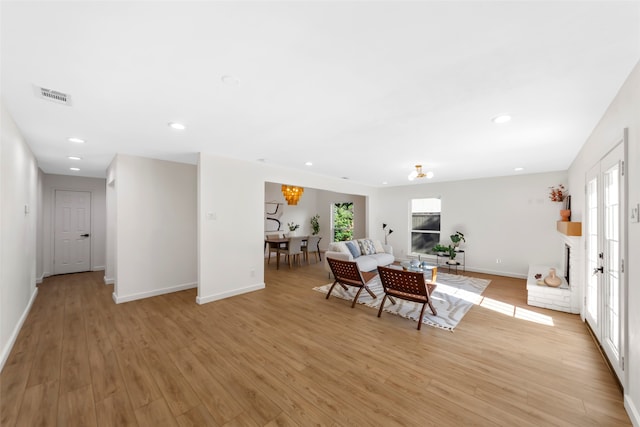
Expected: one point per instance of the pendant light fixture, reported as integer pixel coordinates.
(418, 173)
(292, 193)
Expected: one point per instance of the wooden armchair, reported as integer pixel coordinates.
(347, 273)
(407, 285)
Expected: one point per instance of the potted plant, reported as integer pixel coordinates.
(451, 252)
(559, 194)
(457, 238)
(315, 224)
(292, 228)
(441, 250)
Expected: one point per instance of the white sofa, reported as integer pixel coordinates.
(369, 254)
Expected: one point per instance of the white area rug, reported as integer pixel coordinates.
(452, 299)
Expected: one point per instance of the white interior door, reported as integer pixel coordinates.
(605, 289)
(72, 232)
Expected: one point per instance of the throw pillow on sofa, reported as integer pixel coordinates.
(379, 247)
(355, 252)
(366, 246)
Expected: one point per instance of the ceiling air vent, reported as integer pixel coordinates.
(53, 96)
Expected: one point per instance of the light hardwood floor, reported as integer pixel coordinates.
(286, 356)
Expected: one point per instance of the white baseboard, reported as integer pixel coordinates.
(39, 279)
(496, 273)
(98, 268)
(632, 411)
(132, 297)
(14, 335)
(227, 294)
(109, 280)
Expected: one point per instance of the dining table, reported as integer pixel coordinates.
(282, 243)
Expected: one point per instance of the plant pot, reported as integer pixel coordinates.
(293, 233)
(565, 214)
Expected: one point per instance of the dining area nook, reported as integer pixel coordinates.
(295, 249)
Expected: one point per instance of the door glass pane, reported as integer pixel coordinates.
(612, 256)
(592, 249)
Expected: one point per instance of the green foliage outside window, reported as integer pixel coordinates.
(342, 221)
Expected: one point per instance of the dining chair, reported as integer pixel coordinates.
(273, 246)
(293, 251)
(311, 247)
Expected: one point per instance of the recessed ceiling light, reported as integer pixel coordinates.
(74, 169)
(177, 126)
(76, 140)
(74, 158)
(518, 169)
(308, 164)
(502, 118)
(384, 182)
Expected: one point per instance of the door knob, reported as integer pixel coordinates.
(84, 235)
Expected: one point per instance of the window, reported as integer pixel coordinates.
(342, 215)
(425, 225)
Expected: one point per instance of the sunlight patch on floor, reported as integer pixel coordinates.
(517, 312)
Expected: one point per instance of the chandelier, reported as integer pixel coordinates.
(292, 193)
(419, 174)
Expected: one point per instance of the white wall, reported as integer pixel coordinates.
(155, 227)
(507, 218)
(312, 202)
(231, 196)
(111, 224)
(40, 229)
(18, 189)
(624, 112)
(96, 186)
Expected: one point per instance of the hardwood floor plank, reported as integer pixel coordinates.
(176, 390)
(285, 355)
(197, 417)
(156, 413)
(115, 410)
(75, 372)
(214, 396)
(138, 377)
(13, 382)
(76, 408)
(39, 406)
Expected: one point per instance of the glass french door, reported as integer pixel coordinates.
(605, 287)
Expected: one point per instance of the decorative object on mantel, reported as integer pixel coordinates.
(292, 193)
(559, 194)
(565, 214)
(552, 280)
(386, 232)
(292, 228)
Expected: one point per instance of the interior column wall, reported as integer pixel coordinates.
(155, 220)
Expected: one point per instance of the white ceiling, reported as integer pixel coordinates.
(364, 90)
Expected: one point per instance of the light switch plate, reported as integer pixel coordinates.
(635, 213)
